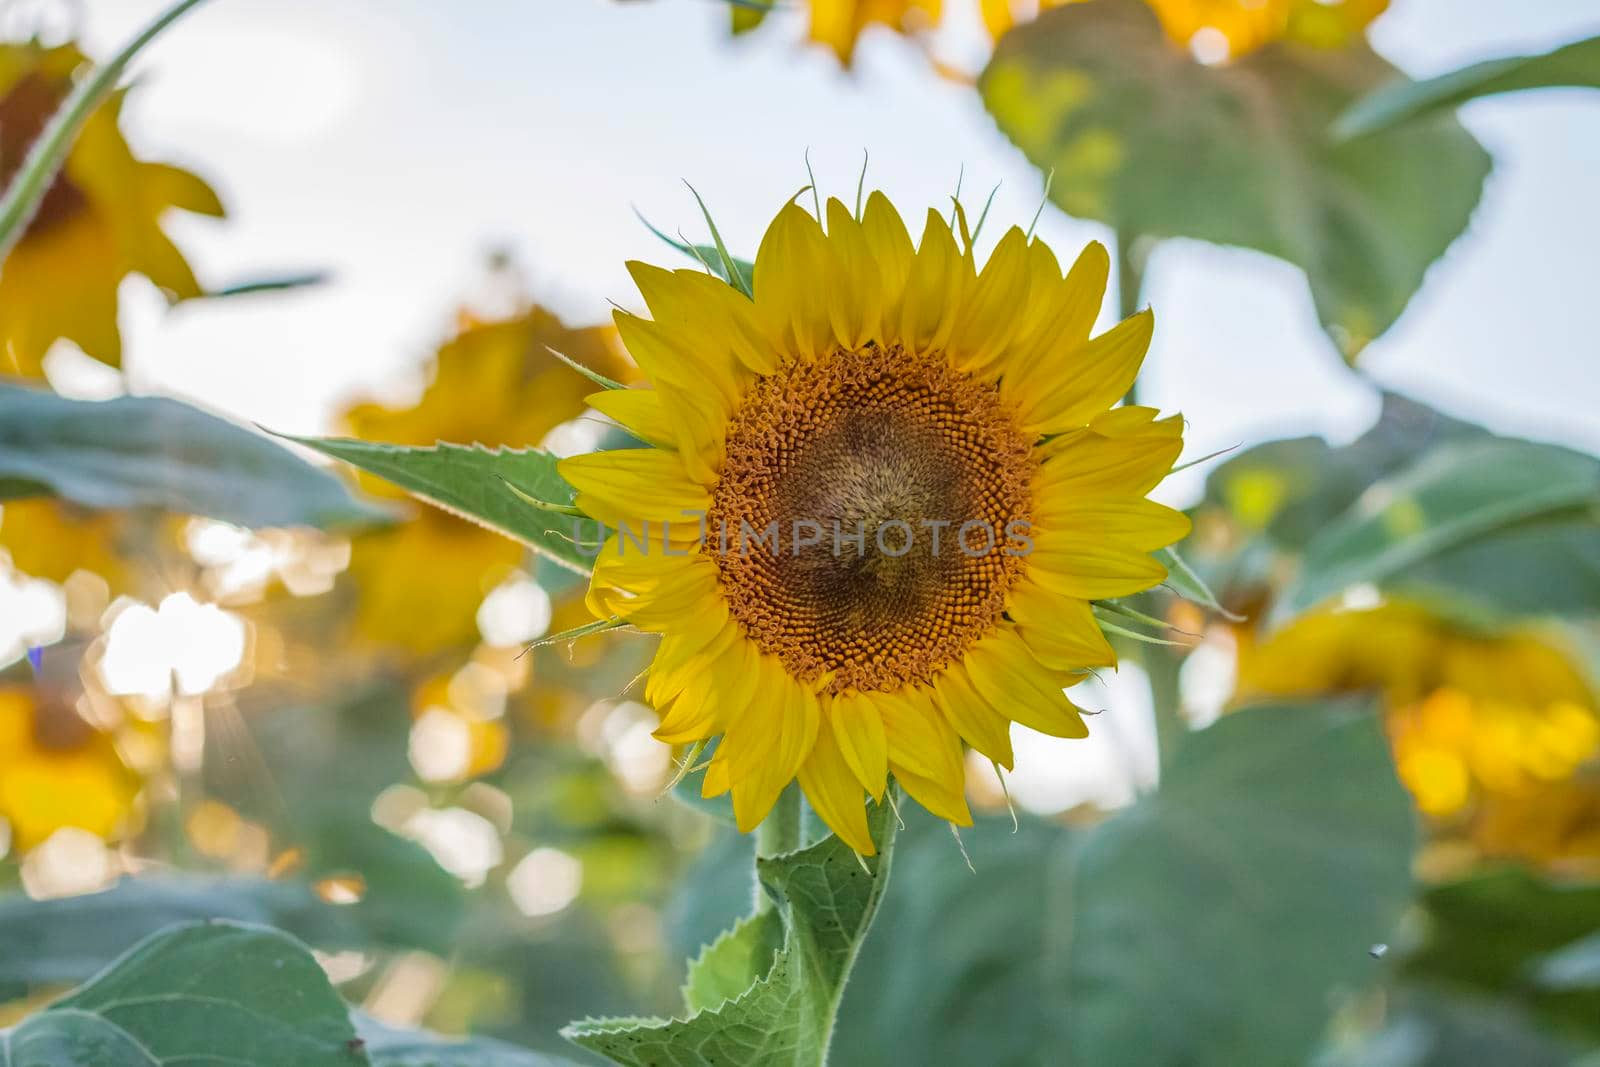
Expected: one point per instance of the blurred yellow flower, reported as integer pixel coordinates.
(1216, 29)
(1555, 825)
(1469, 714)
(496, 383)
(57, 771)
(1221, 29)
(99, 221)
(51, 539)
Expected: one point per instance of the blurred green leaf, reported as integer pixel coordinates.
(480, 484)
(387, 1046)
(268, 284)
(1495, 934)
(1458, 493)
(826, 899)
(1210, 924)
(1429, 1027)
(1576, 65)
(67, 939)
(154, 452)
(1577, 966)
(1141, 136)
(216, 992)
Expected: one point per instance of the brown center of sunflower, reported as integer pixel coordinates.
(24, 110)
(865, 522)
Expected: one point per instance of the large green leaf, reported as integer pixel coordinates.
(155, 452)
(786, 1003)
(67, 939)
(1210, 924)
(1142, 137)
(476, 483)
(1516, 937)
(202, 993)
(1576, 65)
(1458, 494)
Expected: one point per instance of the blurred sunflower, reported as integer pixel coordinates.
(56, 770)
(1230, 28)
(52, 539)
(99, 222)
(891, 394)
(495, 383)
(1468, 713)
(1553, 824)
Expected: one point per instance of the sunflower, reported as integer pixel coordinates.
(98, 223)
(1471, 715)
(838, 24)
(57, 771)
(494, 383)
(907, 482)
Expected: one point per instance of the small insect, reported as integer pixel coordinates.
(1378, 951)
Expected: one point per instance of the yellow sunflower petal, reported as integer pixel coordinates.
(945, 798)
(920, 739)
(792, 257)
(759, 771)
(931, 302)
(1134, 522)
(685, 655)
(854, 302)
(835, 794)
(689, 590)
(1060, 631)
(1068, 391)
(889, 243)
(1060, 316)
(990, 316)
(634, 485)
(973, 717)
(639, 411)
(858, 727)
(1091, 462)
(1091, 569)
(1018, 686)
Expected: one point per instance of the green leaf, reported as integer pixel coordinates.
(1497, 933)
(67, 939)
(154, 452)
(739, 273)
(1142, 137)
(198, 993)
(826, 899)
(48, 153)
(1574, 967)
(477, 483)
(1207, 926)
(388, 1046)
(1576, 65)
(727, 967)
(1457, 493)
(278, 283)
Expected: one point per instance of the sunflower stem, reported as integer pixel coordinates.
(45, 159)
(778, 833)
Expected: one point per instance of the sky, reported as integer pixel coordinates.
(395, 143)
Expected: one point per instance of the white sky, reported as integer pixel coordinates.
(394, 141)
